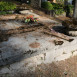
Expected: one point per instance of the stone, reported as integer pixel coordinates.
(26, 11)
(72, 33)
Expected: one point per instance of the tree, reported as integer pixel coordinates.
(75, 9)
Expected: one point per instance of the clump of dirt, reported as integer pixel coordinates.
(58, 42)
(35, 45)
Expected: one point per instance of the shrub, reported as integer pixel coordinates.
(69, 9)
(4, 6)
(59, 11)
(47, 5)
(58, 8)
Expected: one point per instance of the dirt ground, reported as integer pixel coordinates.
(67, 68)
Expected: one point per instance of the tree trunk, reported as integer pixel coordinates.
(75, 9)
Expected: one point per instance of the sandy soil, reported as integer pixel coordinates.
(67, 68)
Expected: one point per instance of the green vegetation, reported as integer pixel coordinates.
(58, 8)
(4, 6)
(5, 12)
(71, 7)
(47, 6)
(59, 11)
